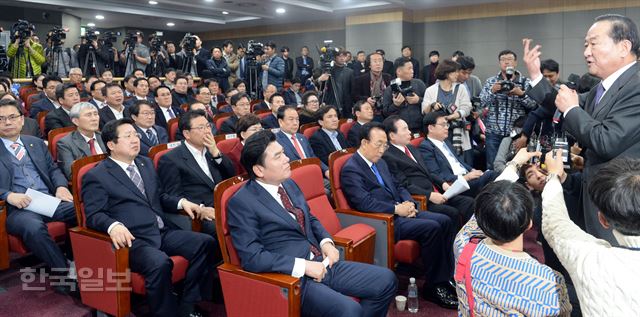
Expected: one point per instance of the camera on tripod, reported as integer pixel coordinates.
(254, 49)
(189, 42)
(56, 36)
(22, 30)
(507, 85)
(327, 53)
(402, 87)
(132, 39)
(157, 42)
(108, 38)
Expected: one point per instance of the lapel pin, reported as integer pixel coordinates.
(31, 144)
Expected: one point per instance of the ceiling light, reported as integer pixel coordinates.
(91, 24)
(280, 10)
(225, 12)
(153, 2)
(170, 24)
(208, 0)
(100, 17)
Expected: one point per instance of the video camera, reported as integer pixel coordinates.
(156, 42)
(327, 53)
(23, 28)
(508, 84)
(189, 42)
(254, 49)
(108, 38)
(57, 35)
(402, 87)
(132, 39)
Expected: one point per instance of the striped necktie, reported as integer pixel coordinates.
(18, 150)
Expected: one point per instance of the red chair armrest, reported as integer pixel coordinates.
(421, 200)
(196, 224)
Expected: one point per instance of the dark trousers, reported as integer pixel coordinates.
(478, 184)
(156, 267)
(32, 230)
(435, 233)
(374, 286)
(459, 209)
(492, 143)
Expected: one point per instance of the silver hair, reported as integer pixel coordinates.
(77, 108)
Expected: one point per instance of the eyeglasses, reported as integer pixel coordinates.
(312, 101)
(444, 124)
(147, 113)
(10, 118)
(507, 59)
(202, 127)
(130, 136)
(383, 146)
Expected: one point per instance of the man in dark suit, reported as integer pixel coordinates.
(240, 105)
(143, 115)
(140, 92)
(266, 95)
(363, 112)
(122, 197)
(25, 163)
(49, 102)
(67, 95)
(360, 65)
(328, 138)
(115, 108)
(429, 70)
(371, 85)
(271, 122)
(369, 186)
(407, 165)
(388, 65)
(288, 63)
(165, 111)
(292, 95)
(603, 121)
(83, 142)
(442, 162)
(193, 169)
(273, 230)
(304, 64)
(97, 98)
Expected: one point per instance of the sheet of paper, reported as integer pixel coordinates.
(458, 187)
(325, 262)
(42, 203)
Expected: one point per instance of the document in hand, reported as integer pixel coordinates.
(42, 203)
(458, 187)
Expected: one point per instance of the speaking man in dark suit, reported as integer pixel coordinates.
(122, 197)
(67, 95)
(143, 115)
(328, 138)
(271, 122)
(83, 142)
(49, 102)
(240, 104)
(273, 230)
(604, 120)
(442, 162)
(115, 108)
(26, 163)
(165, 111)
(193, 169)
(407, 165)
(369, 187)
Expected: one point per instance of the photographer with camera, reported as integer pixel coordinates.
(504, 98)
(59, 60)
(404, 96)
(194, 57)
(272, 67)
(25, 55)
(158, 55)
(371, 85)
(136, 55)
(338, 79)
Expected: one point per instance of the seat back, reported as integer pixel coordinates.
(220, 118)
(156, 152)
(309, 129)
(416, 142)
(79, 168)
(263, 114)
(337, 160)
(222, 193)
(221, 104)
(222, 137)
(40, 118)
(173, 128)
(417, 135)
(308, 175)
(346, 125)
(254, 102)
(54, 136)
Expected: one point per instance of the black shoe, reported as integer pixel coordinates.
(441, 296)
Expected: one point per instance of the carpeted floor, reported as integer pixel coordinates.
(18, 302)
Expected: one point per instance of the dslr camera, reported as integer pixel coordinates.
(57, 35)
(402, 87)
(327, 53)
(22, 30)
(254, 49)
(507, 85)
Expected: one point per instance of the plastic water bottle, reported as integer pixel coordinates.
(412, 297)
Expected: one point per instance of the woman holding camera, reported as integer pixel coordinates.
(450, 97)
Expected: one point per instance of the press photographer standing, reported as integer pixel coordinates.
(340, 77)
(406, 105)
(141, 56)
(26, 56)
(95, 56)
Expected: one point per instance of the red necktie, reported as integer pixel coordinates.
(297, 213)
(406, 151)
(92, 146)
(297, 146)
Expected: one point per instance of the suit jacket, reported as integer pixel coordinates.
(145, 143)
(56, 119)
(270, 122)
(160, 120)
(31, 127)
(130, 102)
(300, 65)
(437, 163)
(388, 68)
(109, 195)
(229, 125)
(72, 147)
(93, 102)
(44, 104)
(290, 97)
(288, 68)
(353, 137)
(412, 175)
(261, 106)
(39, 154)
(322, 145)
(363, 191)
(265, 235)
(181, 175)
(107, 115)
(359, 69)
(362, 86)
(291, 152)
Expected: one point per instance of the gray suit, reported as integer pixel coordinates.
(606, 131)
(72, 147)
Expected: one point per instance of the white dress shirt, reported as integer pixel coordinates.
(165, 113)
(456, 166)
(294, 146)
(119, 114)
(402, 148)
(200, 158)
(95, 142)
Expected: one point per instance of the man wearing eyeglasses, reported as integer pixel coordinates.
(144, 116)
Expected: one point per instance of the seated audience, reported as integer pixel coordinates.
(195, 105)
(275, 101)
(67, 95)
(203, 96)
(217, 95)
(165, 110)
(246, 127)
(363, 112)
(30, 126)
(49, 102)
(296, 146)
(240, 85)
(115, 108)
(369, 186)
(310, 104)
(240, 104)
(273, 230)
(266, 93)
(154, 82)
(180, 94)
(140, 91)
(328, 138)
(230, 93)
(97, 98)
(151, 134)
(126, 182)
(292, 95)
(84, 141)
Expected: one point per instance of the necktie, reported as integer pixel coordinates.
(209, 112)
(406, 151)
(454, 157)
(378, 176)
(92, 146)
(297, 213)
(152, 137)
(137, 180)
(171, 114)
(599, 94)
(297, 146)
(18, 150)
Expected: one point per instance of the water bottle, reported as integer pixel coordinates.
(412, 297)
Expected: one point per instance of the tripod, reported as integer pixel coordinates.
(89, 66)
(333, 90)
(56, 59)
(21, 55)
(252, 80)
(187, 63)
(130, 62)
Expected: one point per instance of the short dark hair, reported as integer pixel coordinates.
(238, 82)
(319, 115)
(61, 89)
(10, 103)
(405, 46)
(358, 106)
(271, 44)
(155, 92)
(365, 131)
(360, 52)
(181, 77)
(138, 70)
(109, 85)
(284, 49)
(235, 98)
(134, 110)
(254, 149)
(211, 80)
(277, 94)
(283, 109)
(192, 103)
(294, 81)
(244, 123)
(307, 94)
(457, 53)
(623, 28)
(445, 68)
(431, 118)
(95, 83)
(106, 71)
(34, 79)
(227, 43)
(168, 70)
(466, 63)
(507, 52)
(434, 53)
(47, 79)
(550, 65)
(153, 76)
(504, 210)
(390, 124)
(185, 119)
(138, 80)
(109, 132)
(614, 190)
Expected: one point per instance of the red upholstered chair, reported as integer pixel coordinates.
(40, 119)
(263, 114)
(346, 125)
(104, 277)
(54, 136)
(231, 148)
(387, 251)
(255, 102)
(309, 129)
(416, 141)
(357, 241)
(222, 137)
(157, 151)
(246, 293)
(221, 104)
(31, 99)
(220, 118)
(172, 126)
